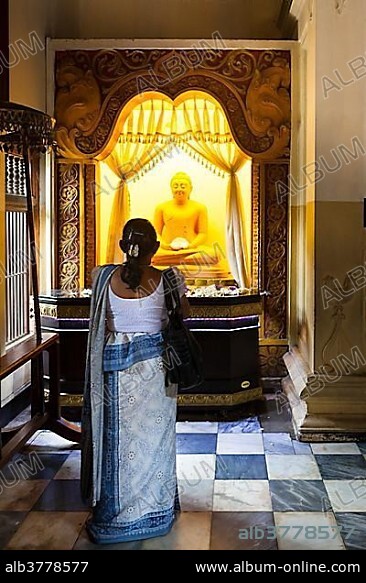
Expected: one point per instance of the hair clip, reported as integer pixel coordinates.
(134, 250)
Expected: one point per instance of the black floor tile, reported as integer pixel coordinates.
(9, 524)
(62, 496)
(241, 467)
(33, 466)
(353, 529)
(242, 531)
(342, 467)
(299, 496)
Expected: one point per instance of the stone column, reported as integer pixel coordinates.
(326, 385)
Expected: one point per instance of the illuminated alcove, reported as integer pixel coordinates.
(159, 138)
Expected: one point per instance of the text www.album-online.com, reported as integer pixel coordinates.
(301, 567)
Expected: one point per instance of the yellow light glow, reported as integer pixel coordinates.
(172, 132)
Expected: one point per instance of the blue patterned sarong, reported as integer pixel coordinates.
(137, 489)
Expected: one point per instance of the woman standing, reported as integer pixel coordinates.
(128, 446)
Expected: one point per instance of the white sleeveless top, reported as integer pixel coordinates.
(147, 314)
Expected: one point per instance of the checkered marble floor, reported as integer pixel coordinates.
(243, 485)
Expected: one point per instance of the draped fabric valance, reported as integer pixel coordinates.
(199, 127)
(161, 121)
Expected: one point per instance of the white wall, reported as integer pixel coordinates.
(302, 191)
(328, 236)
(341, 96)
(28, 24)
(340, 126)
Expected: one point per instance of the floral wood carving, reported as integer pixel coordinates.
(89, 182)
(92, 88)
(256, 259)
(275, 249)
(68, 178)
(271, 360)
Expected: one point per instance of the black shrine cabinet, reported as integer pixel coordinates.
(227, 329)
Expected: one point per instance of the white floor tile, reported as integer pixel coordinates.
(292, 467)
(241, 443)
(196, 427)
(347, 495)
(196, 497)
(303, 531)
(242, 496)
(196, 467)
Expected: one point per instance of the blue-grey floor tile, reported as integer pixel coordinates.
(196, 442)
(341, 467)
(362, 446)
(241, 467)
(248, 425)
(299, 496)
(353, 529)
(279, 443)
(242, 531)
(61, 496)
(9, 524)
(33, 466)
(275, 416)
(301, 448)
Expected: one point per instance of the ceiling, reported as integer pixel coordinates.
(180, 19)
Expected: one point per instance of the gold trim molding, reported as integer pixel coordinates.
(196, 400)
(220, 399)
(207, 311)
(52, 311)
(235, 311)
(256, 283)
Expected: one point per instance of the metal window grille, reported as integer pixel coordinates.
(17, 253)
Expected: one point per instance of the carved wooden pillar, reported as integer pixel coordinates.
(274, 341)
(68, 175)
(256, 228)
(89, 233)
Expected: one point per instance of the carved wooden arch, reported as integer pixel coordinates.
(92, 87)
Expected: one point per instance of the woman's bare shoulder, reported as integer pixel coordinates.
(96, 270)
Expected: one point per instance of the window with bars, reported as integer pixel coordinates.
(17, 251)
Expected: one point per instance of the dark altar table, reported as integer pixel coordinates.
(227, 329)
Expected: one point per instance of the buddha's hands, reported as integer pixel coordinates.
(165, 246)
(179, 243)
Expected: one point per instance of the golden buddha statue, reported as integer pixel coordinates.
(181, 225)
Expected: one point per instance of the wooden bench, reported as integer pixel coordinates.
(43, 415)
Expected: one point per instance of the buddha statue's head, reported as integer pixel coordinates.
(181, 186)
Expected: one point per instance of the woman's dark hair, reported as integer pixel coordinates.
(138, 240)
